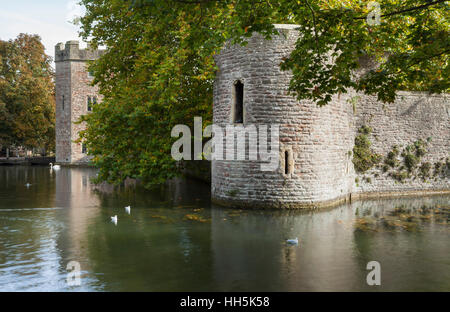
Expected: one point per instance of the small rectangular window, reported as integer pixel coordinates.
(89, 104)
(288, 158)
(63, 102)
(83, 148)
(238, 102)
(286, 162)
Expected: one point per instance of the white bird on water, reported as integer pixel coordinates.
(128, 209)
(114, 220)
(56, 167)
(292, 241)
(28, 185)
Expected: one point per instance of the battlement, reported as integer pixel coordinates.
(71, 52)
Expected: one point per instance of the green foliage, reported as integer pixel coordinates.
(411, 161)
(159, 68)
(442, 169)
(158, 72)
(391, 158)
(363, 156)
(27, 104)
(400, 175)
(411, 157)
(410, 47)
(354, 101)
(413, 153)
(425, 170)
(437, 168)
(232, 193)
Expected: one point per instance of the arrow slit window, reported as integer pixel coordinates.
(238, 102)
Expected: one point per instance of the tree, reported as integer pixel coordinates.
(408, 41)
(159, 67)
(27, 105)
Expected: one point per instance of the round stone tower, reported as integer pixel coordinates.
(314, 154)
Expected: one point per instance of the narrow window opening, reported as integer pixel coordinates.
(89, 104)
(286, 162)
(63, 102)
(239, 102)
(83, 148)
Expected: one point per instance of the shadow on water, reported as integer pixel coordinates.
(175, 240)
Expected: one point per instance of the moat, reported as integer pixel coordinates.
(176, 240)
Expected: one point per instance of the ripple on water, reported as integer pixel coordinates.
(171, 242)
(28, 209)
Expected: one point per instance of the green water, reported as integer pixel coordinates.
(175, 240)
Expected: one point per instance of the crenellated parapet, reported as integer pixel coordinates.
(71, 52)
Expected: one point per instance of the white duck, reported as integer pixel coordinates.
(114, 220)
(28, 185)
(55, 167)
(292, 241)
(128, 209)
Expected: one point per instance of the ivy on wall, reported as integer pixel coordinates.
(400, 164)
(363, 156)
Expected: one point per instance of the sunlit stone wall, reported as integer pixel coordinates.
(73, 82)
(413, 116)
(320, 139)
(317, 138)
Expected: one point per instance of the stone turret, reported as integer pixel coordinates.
(313, 161)
(71, 52)
(75, 97)
(316, 143)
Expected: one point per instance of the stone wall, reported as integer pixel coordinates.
(73, 82)
(81, 90)
(320, 139)
(63, 115)
(414, 116)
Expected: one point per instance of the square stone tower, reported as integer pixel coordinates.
(75, 96)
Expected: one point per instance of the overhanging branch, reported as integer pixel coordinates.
(420, 7)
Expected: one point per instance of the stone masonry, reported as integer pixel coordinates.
(319, 140)
(73, 89)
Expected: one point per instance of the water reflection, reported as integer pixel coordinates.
(174, 240)
(28, 255)
(259, 250)
(81, 208)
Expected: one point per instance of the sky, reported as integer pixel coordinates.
(47, 18)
